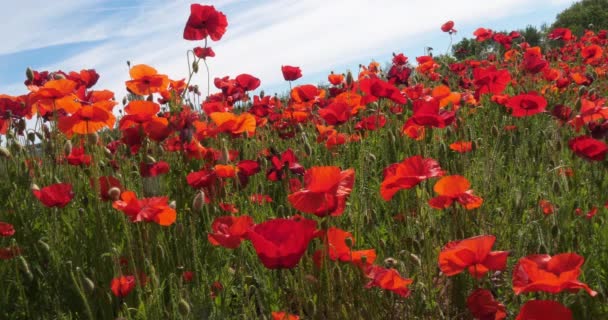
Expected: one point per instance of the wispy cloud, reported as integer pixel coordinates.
(262, 35)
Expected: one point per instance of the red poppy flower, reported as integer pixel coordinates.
(325, 191)
(9, 253)
(287, 160)
(546, 206)
(105, 184)
(526, 104)
(490, 80)
(560, 34)
(544, 310)
(188, 276)
(472, 254)
(291, 73)
(155, 209)
(541, 272)
(247, 82)
(55, 195)
(203, 53)
(205, 21)
(454, 188)
(234, 124)
(88, 119)
(78, 157)
(371, 123)
(448, 27)
(281, 243)
(281, 315)
(337, 249)
(483, 34)
(122, 286)
(375, 88)
(533, 60)
(6, 229)
(592, 54)
(428, 113)
(56, 95)
(229, 231)
(482, 305)
(147, 170)
(146, 80)
(335, 79)
(588, 148)
(336, 113)
(407, 174)
(462, 146)
(388, 279)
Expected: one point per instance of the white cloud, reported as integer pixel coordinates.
(313, 34)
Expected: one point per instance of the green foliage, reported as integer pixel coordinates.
(586, 14)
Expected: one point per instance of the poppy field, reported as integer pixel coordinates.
(429, 188)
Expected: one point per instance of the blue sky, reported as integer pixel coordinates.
(317, 35)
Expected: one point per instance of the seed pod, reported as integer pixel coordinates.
(195, 66)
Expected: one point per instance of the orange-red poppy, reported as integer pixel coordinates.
(454, 188)
(146, 80)
(155, 209)
(388, 279)
(472, 254)
(407, 174)
(234, 124)
(325, 191)
(229, 231)
(552, 274)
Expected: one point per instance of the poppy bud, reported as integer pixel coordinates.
(307, 148)
(46, 131)
(195, 66)
(5, 153)
(495, 131)
(183, 307)
(150, 160)
(34, 187)
(67, 148)
(128, 63)
(349, 78)
(172, 204)
(390, 262)
(25, 268)
(199, 201)
(44, 246)
(161, 249)
(416, 259)
(58, 76)
(262, 94)
(114, 193)
(29, 73)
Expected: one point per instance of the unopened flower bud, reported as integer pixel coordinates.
(114, 193)
(67, 148)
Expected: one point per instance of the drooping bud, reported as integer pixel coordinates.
(114, 193)
(67, 148)
(199, 201)
(183, 307)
